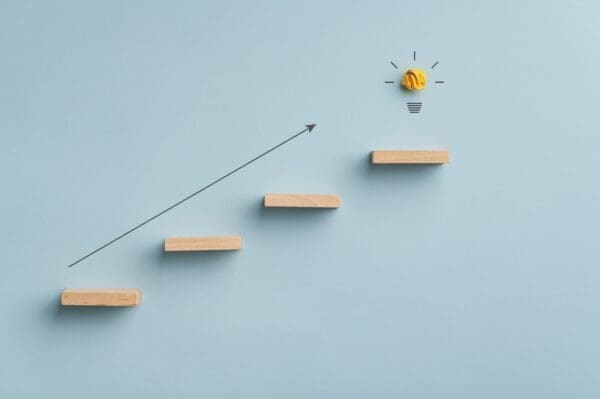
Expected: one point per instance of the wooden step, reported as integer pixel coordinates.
(301, 201)
(404, 157)
(186, 244)
(101, 297)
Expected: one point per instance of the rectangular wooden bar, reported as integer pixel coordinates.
(101, 297)
(183, 244)
(389, 157)
(301, 201)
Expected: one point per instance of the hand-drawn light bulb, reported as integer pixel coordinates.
(412, 81)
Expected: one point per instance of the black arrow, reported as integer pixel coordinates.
(309, 129)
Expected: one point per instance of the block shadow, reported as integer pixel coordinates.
(198, 259)
(410, 174)
(87, 315)
(298, 216)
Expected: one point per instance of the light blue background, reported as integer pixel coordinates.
(475, 279)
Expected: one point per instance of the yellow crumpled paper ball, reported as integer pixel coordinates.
(414, 79)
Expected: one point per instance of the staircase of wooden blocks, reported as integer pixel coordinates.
(127, 297)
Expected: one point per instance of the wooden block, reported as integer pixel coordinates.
(409, 157)
(183, 244)
(301, 201)
(101, 297)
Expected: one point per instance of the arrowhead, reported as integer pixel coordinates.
(311, 127)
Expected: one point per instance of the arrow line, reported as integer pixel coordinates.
(309, 128)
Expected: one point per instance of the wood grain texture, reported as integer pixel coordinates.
(301, 201)
(399, 157)
(183, 244)
(101, 297)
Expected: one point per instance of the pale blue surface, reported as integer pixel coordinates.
(476, 279)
